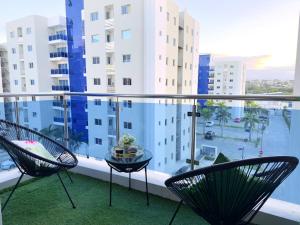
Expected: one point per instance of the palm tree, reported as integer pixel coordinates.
(252, 107)
(222, 115)
(250, 120)
(53, 132)
(206, 113)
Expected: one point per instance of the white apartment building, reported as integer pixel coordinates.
(227, 76)
(37, 52)
(4, 83)
(141, 47)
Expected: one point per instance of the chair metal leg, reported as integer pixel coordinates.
(176, 211)
(110, 186)
(69, 176)
(11, 193)
(129, 182)
(73, 205)
(147, 193)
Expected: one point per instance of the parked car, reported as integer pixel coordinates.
(209, 135)
(237, 120)
(209, 123)
(7, 164)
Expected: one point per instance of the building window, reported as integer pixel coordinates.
(126, 58)
(173, 82)
(96, 60)
(172, 137)
(167, 38)
(125, 9)
(167, 60)
(126, 81)
(94, 16)
(172, 119)
(29, 48)
(97, 81)
(127, 125)
(98, 122)
(15, 66)
(13, 50)
(166, 141)
(28, 30)
(98, 141)
(174, 20)
(31, 65)
(166, 122)
(95, 38)
(12, 34)
(173, 62)
(168, 16)
(159, 57)
(231, 80)
(174, 41)
(160, 33)
(16, 82)
(97, 101)
(32, 82)
(126, 34)
(34, 114)
(166, 82)
(160, 9)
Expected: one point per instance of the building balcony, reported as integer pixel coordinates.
(60, 88)
(59, 104)
(167, 131)
(57, 39)
(58, 56)
(60, 120)
(59, 72)
(110, 46)
(110, 69)
(109, 24)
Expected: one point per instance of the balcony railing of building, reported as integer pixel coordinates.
(60, 119)
(58, 55)
(59, 104)
(275, 131)
(59, 71)
(60, 88)
(58, 37)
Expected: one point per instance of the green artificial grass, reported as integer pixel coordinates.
(44, 202)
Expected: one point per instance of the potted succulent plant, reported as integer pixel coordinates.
(126, 147)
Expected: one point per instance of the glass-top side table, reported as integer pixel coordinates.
(128, 165)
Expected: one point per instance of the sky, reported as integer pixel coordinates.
(266, 29)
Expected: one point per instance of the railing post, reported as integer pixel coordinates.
(17, 111)
(193, 145)
(117, 120)
(66, 130)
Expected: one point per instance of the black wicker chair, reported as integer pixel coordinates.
(30, 163)
(231, 193)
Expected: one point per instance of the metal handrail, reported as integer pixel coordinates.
(158, 96)
(146, 96)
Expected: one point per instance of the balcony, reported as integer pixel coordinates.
(168, 135)
(58, 56)
(109, 24)
(110, 46)
(60, 119)
(60, 88)
(59, 104)
(58, 39)
(59, 72)
(110, 69)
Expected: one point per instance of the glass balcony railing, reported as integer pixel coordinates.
(169, 127)
(59, 71)
(58, 37)
(59, 104)
(58, 55)
(60, 119)
(60, 88)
